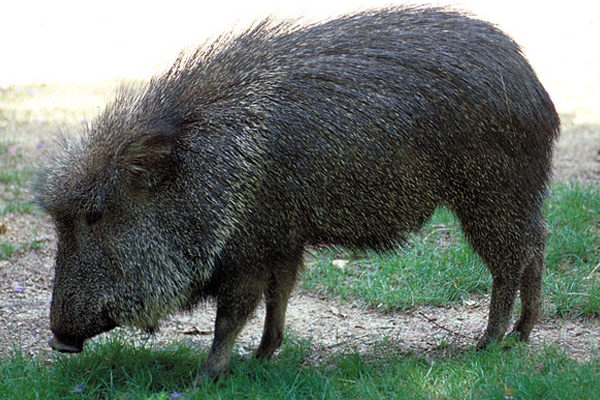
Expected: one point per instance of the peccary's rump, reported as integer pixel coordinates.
(210, 180)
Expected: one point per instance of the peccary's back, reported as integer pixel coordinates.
(374, 120)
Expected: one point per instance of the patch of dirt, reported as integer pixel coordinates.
(577, 154)
(332, 326)
(25, 292)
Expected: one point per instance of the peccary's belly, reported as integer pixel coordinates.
(370, 214)
(370, 202)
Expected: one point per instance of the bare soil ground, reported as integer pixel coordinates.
(26, 279)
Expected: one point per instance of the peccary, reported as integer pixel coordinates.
(209, 181)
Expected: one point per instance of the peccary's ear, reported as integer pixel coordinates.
(146, 158)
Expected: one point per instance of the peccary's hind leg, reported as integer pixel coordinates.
(277, 295)
(500, 238)
(504, 292)
(531, 285)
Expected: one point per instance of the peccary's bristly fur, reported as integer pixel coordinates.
(209, 180)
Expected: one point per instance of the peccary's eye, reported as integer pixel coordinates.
(93, 217)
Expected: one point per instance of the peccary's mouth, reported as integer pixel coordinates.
(74, 346)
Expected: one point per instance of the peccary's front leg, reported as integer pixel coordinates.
(233, 310)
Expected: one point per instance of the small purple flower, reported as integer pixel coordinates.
(18, 288)
(176, 395)
(79, 388)
(40, 120)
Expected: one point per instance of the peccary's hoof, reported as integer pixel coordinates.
(484, 342)
(56, 344)
(206, 378)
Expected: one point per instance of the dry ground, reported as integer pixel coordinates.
(26, 278)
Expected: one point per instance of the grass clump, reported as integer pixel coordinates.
(116, 369)
(572, 280)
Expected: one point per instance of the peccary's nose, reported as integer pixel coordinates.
(75, 346)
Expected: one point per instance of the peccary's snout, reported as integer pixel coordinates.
(66, 346)
(61, 341)
(70, 328)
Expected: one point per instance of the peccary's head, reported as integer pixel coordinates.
(125, 247)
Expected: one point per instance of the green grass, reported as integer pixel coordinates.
(11, 177)
(117, 370)
(438, 266)
(19, 207)
(7, 249)
(572, 280)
